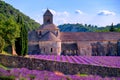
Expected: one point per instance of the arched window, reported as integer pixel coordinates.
(51, 50)
(48, 21)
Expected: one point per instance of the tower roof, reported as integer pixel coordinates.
(49, 36)
(49, 27)
(48, 13)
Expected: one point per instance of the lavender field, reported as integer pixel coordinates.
(26, 74)
(107, 61)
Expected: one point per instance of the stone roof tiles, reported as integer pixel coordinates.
(49, 27)
(49, 36)
(48, 13)
(89, 36)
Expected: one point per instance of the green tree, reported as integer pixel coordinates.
(12, 32)
(112, 29)
(11, 26)
(9, 31)
(118, 30)
(2, 41)
(22, 41)
(2, 44)
(9, 11)
(24, 37)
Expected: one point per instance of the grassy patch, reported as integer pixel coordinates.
(81, 74)
(1, 66)
(32, 77)
(7, 78)
(5, 53)
(4, 67)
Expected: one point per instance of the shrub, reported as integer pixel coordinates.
(7, 78)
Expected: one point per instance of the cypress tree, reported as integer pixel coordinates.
(112, 29)
(22, 41)
(26, 40)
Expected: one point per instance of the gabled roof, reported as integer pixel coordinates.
(89, 36)
(49, 36)
(48, 13)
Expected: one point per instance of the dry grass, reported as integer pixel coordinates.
(59, 73)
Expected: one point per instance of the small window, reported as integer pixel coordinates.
(40, 33)
(48, 21)
(51, 50)
(44, 49)
(75, 51)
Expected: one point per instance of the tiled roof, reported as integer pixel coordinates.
(89, 36)
(49, 27)
(49, 36)
(48, 13)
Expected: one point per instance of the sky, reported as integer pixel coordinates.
(95, 12)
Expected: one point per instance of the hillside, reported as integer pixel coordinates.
(75, 28)
(14, 27)
(87, 28)
(8, 11)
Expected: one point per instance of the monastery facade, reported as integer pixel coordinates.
(48, 40)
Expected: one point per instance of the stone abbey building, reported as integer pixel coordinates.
(48, 40)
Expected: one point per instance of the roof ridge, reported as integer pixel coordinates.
(48, 12)
(49, 36)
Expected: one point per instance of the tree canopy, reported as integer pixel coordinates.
(11, 29)
(88, 28)
(8, 11)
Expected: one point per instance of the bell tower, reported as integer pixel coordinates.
(48, 17)
(49, 36)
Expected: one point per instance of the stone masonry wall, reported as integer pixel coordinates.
(106, 49)
(66, 68)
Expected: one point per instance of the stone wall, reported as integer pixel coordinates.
(85, 48)
(50, 47)
(33, 49)
(106, 48)
(66, 68)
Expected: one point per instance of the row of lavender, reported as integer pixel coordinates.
(25, 74)
(107, 61)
